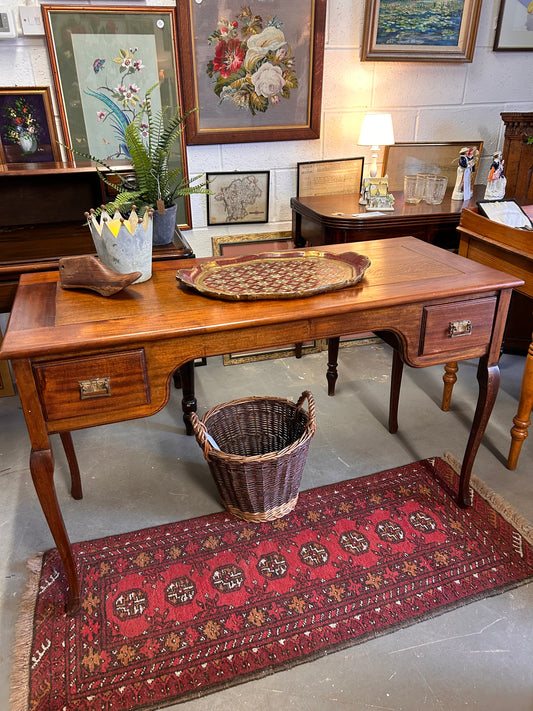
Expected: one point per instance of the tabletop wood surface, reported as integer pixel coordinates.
(47, 319)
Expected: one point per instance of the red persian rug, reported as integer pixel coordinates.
(181, 610)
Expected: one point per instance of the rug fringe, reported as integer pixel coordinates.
(498, 503)
(20, 676)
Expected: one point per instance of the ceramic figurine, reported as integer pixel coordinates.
(496, 180)
(463, 184)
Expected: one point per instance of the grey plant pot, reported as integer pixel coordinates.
(164, 226)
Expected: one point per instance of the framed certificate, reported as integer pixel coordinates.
(330, 177)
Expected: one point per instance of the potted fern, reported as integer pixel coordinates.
(149, 139)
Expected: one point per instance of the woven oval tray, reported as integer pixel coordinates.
(276, 275)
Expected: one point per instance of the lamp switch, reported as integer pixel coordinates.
(31, 19)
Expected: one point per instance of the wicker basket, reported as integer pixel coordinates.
(263, 445)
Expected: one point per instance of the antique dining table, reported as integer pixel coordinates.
(82, 360)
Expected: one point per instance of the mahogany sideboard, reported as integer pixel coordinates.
(438, 306)
(332, 219)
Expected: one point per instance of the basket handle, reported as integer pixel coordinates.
(306, 395)
(200, 432)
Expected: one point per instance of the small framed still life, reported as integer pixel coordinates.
(27, 128)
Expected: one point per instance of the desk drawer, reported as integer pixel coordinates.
(78, 386)
(453, 327)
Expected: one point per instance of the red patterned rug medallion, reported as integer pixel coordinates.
(181, 610)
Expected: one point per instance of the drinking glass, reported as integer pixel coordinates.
(423, 187)
(409, 189)
(436, 190)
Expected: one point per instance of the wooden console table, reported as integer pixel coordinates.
(129, 345)
(332, 219)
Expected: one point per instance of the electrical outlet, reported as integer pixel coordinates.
(31, 19)
(8, 28)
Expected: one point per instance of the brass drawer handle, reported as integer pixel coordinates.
(95, 387)
(460, 328)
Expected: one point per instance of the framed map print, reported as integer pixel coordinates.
(237, 197)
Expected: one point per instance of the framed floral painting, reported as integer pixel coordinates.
(420, 31)
(27, 129)
(255, 71)
(104, 60)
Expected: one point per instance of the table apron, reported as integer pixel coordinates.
(73, 389)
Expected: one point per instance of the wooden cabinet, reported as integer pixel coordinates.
(518, 156)
(511, 251)
(42, 219)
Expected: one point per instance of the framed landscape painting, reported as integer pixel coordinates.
(420, 30)
(254, 70)
(27, 129)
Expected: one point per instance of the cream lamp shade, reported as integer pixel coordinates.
(376, 131)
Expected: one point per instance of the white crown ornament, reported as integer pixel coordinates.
(124, 245)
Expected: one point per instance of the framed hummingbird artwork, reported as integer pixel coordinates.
(104, 61)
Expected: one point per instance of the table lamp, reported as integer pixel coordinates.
(376, 131)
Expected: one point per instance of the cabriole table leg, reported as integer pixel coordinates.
(489, 383)
(42, 472)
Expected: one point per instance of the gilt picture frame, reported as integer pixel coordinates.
(330, 177)
(104, 60)
(514, 29)
(27, 127)
(420, 31)
(238, 197)
(255, 74)
(402, 159)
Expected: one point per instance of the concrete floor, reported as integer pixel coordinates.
(147, 472)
